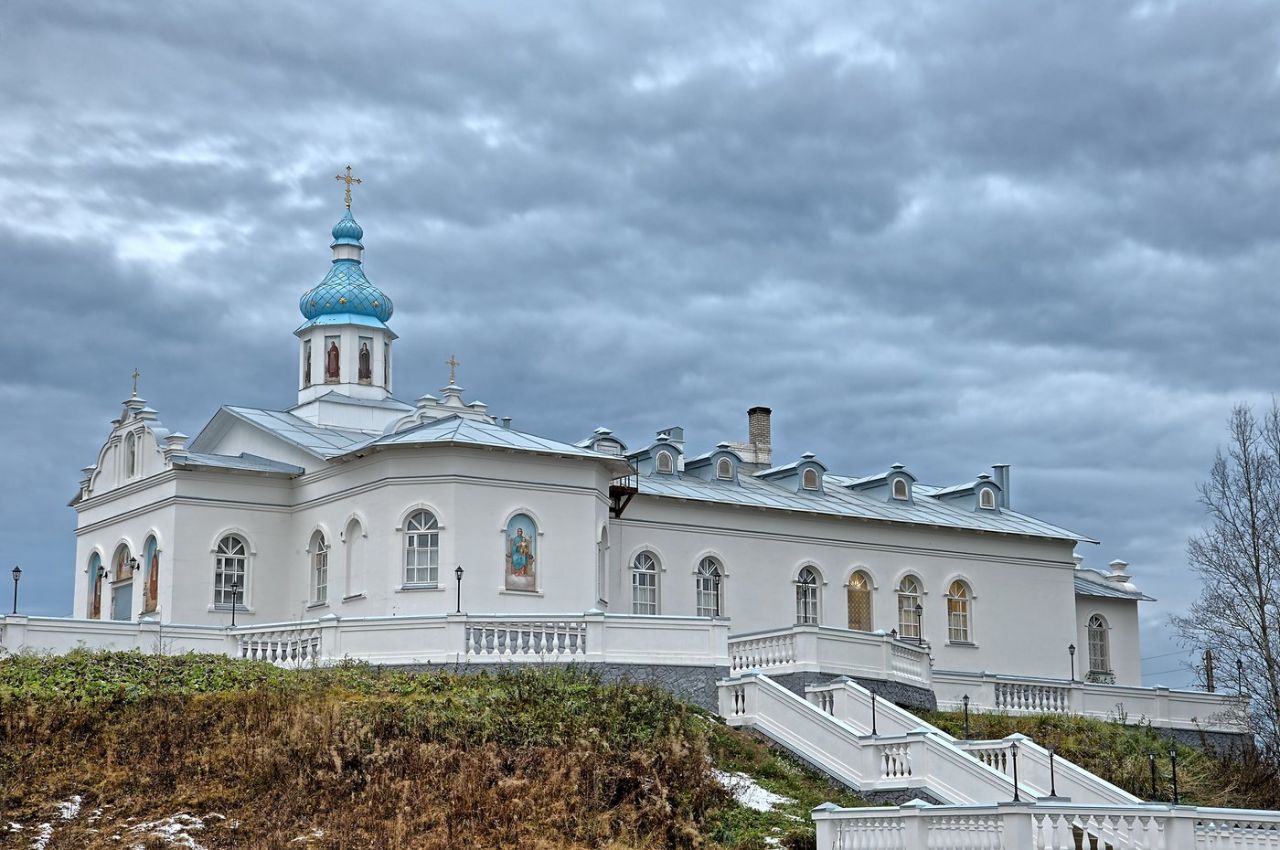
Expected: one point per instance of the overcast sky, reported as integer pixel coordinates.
(946, 234)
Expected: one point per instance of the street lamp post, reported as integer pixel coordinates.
(919, 624)
(1053, 784)
(17, 574)
(965, 700)
(1173, 760)
(1013, 750)
(873, 713)
(235, 601)
(457, 573)
(1151, 760)
(1071, 650)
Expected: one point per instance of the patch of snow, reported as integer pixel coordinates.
(42, 840)
(70, 809)
(15, 827)
(315, 833)
(749, 794)
(175, 830)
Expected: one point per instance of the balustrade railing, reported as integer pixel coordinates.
(762, 653)
(519, 638)
(823, 649)
(284, 645)
(1031, 697)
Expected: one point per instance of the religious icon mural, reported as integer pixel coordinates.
(522, 547)
(151, 591)
(332, 359)
(366, 361)
(306, 363)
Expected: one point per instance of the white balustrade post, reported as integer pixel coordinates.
(149, 636)
(806, 647)
(915, 828)
(330, 638)
(455, 637)
(1180, 827)
(598, 636)
(718, 641)
(824, 828)
(1019, 827)
(1075, 698)
(886, 658)
(1160, 714)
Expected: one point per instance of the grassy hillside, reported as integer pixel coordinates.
(1118, 753)
(125, 749)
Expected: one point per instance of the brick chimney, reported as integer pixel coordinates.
(760, 434)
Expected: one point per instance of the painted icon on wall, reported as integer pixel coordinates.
(522, 549)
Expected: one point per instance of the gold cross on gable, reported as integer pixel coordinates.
(348, 179)
(453, 365)
(136, 375)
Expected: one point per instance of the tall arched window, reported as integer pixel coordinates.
(859, 598)
(709, 580)
(230, 567)
(644, 584)
(122, 566)
(93, 608)
(724, 469)
(1099, 645)
(908, 599)
(151, 570)
(807, 597)
(354, 536)
(959, 598)
(319, 551)
(422, 549)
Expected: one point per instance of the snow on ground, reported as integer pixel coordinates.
(745, 790)
(174, 830)
(42, 840)
(70, 809)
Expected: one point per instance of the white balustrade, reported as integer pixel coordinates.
(520, 638)
(762, 653)
(286, 645)
(839, 652)
(1032, 697)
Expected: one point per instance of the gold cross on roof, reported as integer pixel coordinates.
(348, 179)
(136, 375)
(453, 365)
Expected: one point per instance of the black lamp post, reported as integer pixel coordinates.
(17, 574)
(1071, 650)
(457, 573)
(1173, 760)
(919, 624)
(1013, 750)
(235, 601)
(1151, 760)
(965, 699)
(873, 713)
(1053, 783)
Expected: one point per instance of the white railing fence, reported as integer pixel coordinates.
(824, 649)
(285, 646)
(518, 639)
(1045, 826)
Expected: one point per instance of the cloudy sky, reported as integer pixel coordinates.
(946, 234)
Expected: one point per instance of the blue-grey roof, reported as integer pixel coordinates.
(455, 430)
(837, 501)
(319, 440)
(243, 461)
(382, 403)
(1094, 583)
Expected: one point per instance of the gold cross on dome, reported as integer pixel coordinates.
(136, 375)
(348, 179)
(453, 365)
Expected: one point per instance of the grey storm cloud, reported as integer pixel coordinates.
(937, 233)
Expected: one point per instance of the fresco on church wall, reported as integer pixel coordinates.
(151, 560)
(522, 545)
(366, 360)
(332, 360)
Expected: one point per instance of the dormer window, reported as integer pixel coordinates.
(663, 462)
(724, 469)
(987, 499)
(900, 490)
(809, 479)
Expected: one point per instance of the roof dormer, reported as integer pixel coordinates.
(662, 457)
(602, 440)
(719, 464)
(981, 494)
(804, 476)
(896, 485)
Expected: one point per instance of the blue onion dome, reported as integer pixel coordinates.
(345, 289)
(347, 231)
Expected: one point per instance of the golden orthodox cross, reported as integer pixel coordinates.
(136, 375)
(348, 179)
(453, 365)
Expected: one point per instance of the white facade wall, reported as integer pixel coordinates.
(1122, 635)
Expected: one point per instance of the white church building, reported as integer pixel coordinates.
(351, 523)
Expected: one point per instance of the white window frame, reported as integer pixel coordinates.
(228, 566)
(901, 490)
(960, 612)
(850, 590)
(709, 588)
(724, 469)
(1099, 635)
(908, 598)
(808, 597)
(665, 463)
(319, 550)
(645, 569)
(418, 532)
(810, 475)
(987, 499)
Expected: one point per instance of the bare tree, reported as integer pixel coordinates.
(1238, 560)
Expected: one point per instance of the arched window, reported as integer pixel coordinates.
(422, 549)
(987, 498)
(1099, 645)
(122, 566)
(724, 469)
(319, 551)
(900, 489)
(130, 455)
(354, 536)
(644, 584)
(230, 569)
(908, 617)
(664, 462)
(709, 579)
(93, 608)
(809, 480)
(958, 599)
(807, 597)
(859, 597)
(151, 568)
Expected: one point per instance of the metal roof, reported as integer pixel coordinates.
(750, 491)
(388, 403)
(243, 461)
(1094, 583)
(321, 440)
(456, 430)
